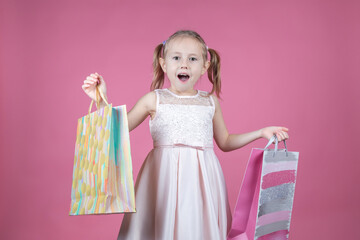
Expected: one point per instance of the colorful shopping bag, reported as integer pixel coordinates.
(264, 205)
(102, 173)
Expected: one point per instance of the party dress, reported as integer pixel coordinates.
(180, 189)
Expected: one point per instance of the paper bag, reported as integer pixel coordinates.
(264, 205)
(102, 171)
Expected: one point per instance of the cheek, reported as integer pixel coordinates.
(201, 69)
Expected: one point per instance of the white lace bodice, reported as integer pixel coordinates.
(184, 120)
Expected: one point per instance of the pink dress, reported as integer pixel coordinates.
(180, 190)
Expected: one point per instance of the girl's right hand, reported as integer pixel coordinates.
(90, 83)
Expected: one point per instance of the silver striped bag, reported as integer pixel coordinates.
(264, 205)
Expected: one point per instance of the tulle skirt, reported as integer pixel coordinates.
(180, 195)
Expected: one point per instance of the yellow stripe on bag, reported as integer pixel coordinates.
(90, 204)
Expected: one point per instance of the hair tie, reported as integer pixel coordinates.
(164, 42)
(207, 49)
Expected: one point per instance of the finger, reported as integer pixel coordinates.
(84, 87)
(284, 129)
(94, 75)
(283, 134)
(286, 135)
(92, 78)
(95, 81)
(279, 137)
(98, 74)
(283, 137)
(90, 82)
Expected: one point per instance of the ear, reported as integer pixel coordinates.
(205, 68)
(162, 64)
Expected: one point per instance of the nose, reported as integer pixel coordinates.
(184, 64)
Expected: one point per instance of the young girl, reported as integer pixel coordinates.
(180, 189)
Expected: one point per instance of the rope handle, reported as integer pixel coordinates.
(276, 145)
(98, 96)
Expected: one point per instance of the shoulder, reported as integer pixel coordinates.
(148, 100)
(148, 97)
(216, 101)
(212, 96)
(206, 94)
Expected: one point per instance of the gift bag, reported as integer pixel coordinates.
(102, 173)
(264, 205)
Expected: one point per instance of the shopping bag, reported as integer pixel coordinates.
(265, 201)
(102, 172)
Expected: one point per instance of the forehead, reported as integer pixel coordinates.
(186, 45)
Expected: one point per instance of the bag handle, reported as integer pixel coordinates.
(98, 96)
(272, 139)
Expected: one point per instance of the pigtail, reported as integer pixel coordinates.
(214, 72)
(158, 78)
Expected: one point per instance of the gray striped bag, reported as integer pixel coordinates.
(264, 205)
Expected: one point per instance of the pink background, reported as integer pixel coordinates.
(291, 63)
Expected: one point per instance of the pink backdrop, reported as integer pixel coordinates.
(283, 63)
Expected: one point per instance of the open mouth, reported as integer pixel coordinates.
(183, 77)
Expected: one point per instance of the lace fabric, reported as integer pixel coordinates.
(183, 119)
(202, 98)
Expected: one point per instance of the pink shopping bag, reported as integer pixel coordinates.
(264, 205)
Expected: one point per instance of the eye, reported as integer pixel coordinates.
(193, 59)
(176, 58)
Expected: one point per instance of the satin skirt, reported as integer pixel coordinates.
(180, 195)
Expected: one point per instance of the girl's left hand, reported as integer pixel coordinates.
(280, 132)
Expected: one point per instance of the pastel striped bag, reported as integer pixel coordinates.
(102, 171)
(264, 205)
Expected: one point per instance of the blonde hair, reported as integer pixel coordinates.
(213, 70)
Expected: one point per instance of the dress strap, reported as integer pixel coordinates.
(212, 101)
(213, 104)
(157, 97)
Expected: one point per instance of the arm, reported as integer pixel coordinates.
(144, 107)
(229, 142)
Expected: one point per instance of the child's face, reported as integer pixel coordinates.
(184, 63)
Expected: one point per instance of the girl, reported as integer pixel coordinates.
(180, 190)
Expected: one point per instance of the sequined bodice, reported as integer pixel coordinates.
(184, 120)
